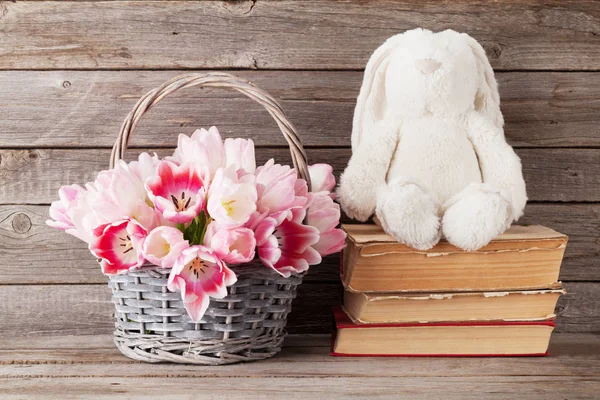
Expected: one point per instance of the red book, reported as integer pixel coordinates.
(452, 339)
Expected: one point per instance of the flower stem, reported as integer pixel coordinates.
(199, 228)
(203, 232)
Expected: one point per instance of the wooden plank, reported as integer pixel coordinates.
(290, 35)
(61, 356)
(295, 388)
(55, 310)
(578, 309)
(85, 108)
(34, 176)
(31, 252)
(300, 388)
(72, 366)
(558, 175)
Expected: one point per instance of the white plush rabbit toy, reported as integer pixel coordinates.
(429, 156)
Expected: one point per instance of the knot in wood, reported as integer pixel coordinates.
(21, 223)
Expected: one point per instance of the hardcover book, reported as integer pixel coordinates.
(524, 257)
(440, 339)
(532, 305)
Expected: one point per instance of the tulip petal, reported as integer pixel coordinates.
(240, 154)
(163, 245)
(204, 149)
(321, 177)
(330, 242)
(199, 274)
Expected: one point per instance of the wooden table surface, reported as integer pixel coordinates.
(66, 367)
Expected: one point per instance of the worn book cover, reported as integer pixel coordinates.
(448, 339)
(524, 257)
(525, 305)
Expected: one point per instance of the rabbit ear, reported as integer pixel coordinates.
(487, 99)
(370, 104)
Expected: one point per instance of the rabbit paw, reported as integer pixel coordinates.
(409, 215)
(357, 194)
(475, 218)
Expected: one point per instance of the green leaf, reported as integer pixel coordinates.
(188, 233)
(195, 232)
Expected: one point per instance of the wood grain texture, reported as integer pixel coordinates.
(34, 176)
(60, 356)
(65, 367)
(51, 310)
(300, 35)
(31, 252)
(314, 387)
(86, 108)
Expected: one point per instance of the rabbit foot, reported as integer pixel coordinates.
(475, 217)
(409, 215)
(357, 194)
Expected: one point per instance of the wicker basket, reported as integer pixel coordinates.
(249, 324)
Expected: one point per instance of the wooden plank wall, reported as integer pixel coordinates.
(71, 70)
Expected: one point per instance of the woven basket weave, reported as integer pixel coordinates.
(151, 322)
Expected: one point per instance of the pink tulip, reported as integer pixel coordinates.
(163, 245)
(239, 153)
(199, 274)
(324, 214)
(204, 149)
(120, 193)
(84, 219)
(330, 242)
(178, 192)
(118, 246)
(298, 209)
(144, 167)
(73, 214)
(275, 185)
(234, 246)
(231, 201)
(285, 245)
(322, 179)
(280, 194)
(129, 178)
(60, 209)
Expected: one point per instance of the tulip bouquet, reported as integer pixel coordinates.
(205, 207)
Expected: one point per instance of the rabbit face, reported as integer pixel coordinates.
(430, 74)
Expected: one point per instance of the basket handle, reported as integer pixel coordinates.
(222, 80)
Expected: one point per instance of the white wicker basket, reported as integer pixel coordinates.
(249, 324)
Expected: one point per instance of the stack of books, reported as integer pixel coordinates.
(496, 301)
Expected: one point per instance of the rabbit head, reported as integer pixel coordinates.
(419, 73)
